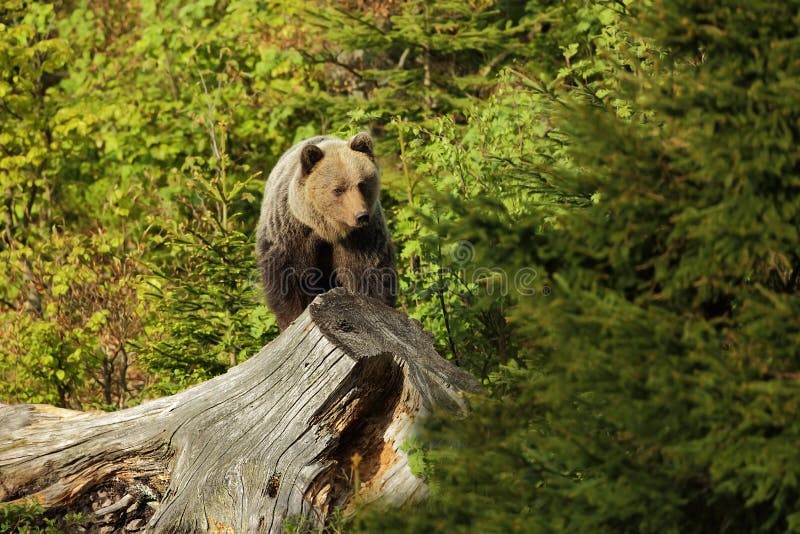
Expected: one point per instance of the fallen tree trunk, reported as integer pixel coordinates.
(317, 416)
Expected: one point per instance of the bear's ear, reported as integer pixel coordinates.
(362, 142)
(309, 156)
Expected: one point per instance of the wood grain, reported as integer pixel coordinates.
(273, 438)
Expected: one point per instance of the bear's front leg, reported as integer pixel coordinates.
(365, 264)
(290, 282)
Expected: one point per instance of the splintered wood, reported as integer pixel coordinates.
(316, 420)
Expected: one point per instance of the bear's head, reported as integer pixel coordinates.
(338, 185)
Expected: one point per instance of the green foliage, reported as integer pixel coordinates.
(29, 518)
(104, 114)
(206, 279)
(416, 58)
(73, 326)
(336, 523)
(513, 153)
(121, 123)
(594, 205)
(657, 383)
(154, 125)
(30, 58)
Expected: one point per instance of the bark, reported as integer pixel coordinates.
(314, 421)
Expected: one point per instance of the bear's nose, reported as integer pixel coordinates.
(362, 218)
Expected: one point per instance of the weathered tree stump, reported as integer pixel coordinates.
(287, 433)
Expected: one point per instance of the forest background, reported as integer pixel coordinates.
(595, 207)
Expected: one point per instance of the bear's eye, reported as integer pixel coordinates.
(338, 191)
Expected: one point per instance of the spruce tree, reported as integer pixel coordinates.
(661, 388)
(412, 59)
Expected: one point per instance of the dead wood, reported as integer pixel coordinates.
(317, 414)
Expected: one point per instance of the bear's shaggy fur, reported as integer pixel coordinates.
(322, 226)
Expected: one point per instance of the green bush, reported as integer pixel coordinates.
(657, 385)
(29, 518)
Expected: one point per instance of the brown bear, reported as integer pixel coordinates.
(322, 226)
